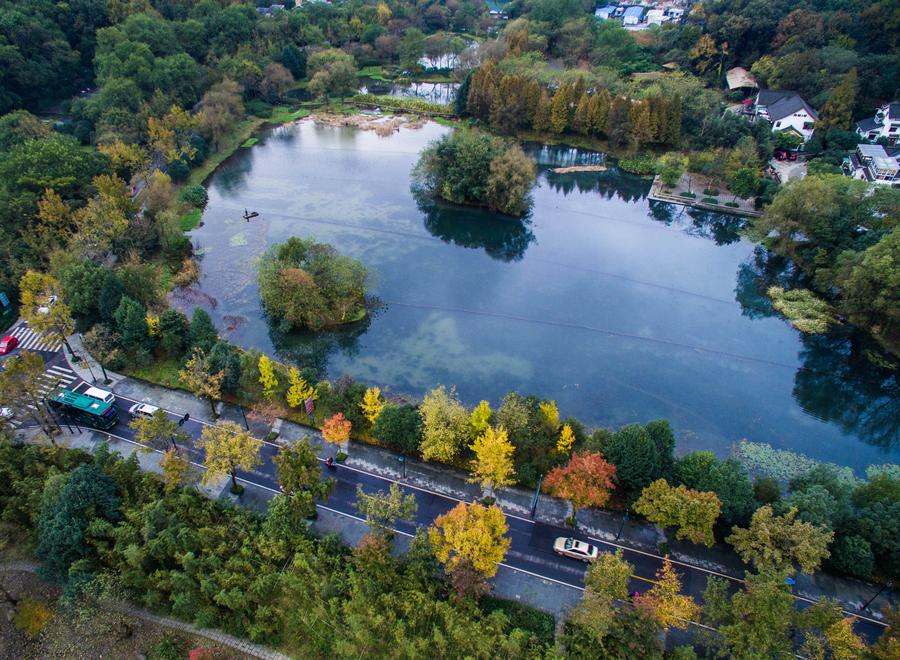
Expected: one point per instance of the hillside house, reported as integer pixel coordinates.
(786, 111)
(633, 16)
(885, 124)
(875, 164)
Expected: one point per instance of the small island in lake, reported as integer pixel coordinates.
(305, 284)
(471, 167)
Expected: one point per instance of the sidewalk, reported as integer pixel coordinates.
(637, 535)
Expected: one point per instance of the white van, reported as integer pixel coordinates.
(100, 395)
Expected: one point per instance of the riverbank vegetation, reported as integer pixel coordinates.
(471, 167)
(845, 239)
(305, 284)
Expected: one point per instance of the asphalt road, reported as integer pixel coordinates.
(531, 541)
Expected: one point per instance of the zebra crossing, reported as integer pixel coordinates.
(29, 340)
(53, 377)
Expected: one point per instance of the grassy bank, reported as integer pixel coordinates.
(232, 142)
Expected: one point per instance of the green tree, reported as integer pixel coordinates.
(511, 178)
(202, 333)
(400, 426)
(220, 109)
(692, 513)
(332, 73)
(155, 431)
(755, 622)
(702, 471)
(636, 457)
(561, 109)
(228, 448)
(605, 583)
(838, 109)
(267, 377)
(131, 322)
(88, 497)
(382, 510)
(777, 543)
(445, 425)
(744, 183)
(411, 49)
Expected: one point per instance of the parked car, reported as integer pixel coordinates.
(142, 410)
(569, 547)
(8, 343)
(781, 154)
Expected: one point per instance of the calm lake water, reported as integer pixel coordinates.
(620, 309)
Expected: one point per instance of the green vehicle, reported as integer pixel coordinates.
(83, 409)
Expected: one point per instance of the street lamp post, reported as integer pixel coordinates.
(622, 526)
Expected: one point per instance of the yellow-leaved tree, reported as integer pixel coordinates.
(196, 377)
(550, 413)
(267, 377)
(493, 465)
(42, 306)
(228, 447)
(175, 469)
(372, 404)
(667, 605)
(299, 390)
(470, 540)
(480, 418)
(566, 440)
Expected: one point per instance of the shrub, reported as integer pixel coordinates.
(852, 555)
(178, 170)
(403, 103)
(710, 200)
(643, 164)
(165, 649)
(711, 192)
(31, 615)
(687, 194)
(733, 205)
(195, 195)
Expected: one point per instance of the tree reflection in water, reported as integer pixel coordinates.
(845, 378)
(313, 349)
(502, 238)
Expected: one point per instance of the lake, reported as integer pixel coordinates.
(620, 309)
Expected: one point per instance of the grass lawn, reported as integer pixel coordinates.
(250, 142)
(160, 372)
(190, 219)
(283, 115)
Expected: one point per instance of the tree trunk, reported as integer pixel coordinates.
(234, 483)
(66, 342)
(212, 407)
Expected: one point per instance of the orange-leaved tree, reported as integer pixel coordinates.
(586, 480)
(336, 429)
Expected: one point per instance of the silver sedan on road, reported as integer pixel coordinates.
(569, 547)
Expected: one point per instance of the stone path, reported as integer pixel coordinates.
(240, 645)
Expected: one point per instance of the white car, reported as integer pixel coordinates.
(569, 547)
(6, 413)
(142, 410)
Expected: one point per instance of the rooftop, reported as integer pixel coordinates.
(739, 77)
(781, 103)
(637, 12)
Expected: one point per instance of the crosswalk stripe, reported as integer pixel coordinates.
(29, 340)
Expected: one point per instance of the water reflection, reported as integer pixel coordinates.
(502, 238)
(439, 92)
(847, 381)
(313, 349)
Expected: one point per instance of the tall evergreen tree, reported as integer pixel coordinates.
(838, 109)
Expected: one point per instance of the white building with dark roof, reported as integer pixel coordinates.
(885, 123)
(786, 111)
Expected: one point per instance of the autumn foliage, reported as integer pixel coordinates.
(336, 428)
(586, 480)
(692, 513)
(470, 535)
